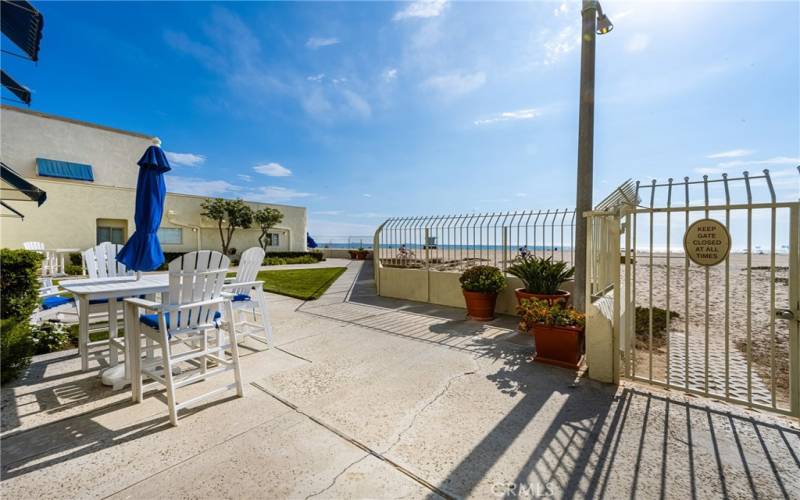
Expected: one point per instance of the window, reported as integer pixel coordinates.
(115, 235)
(273, 239)
(113, 230)
(170, 236)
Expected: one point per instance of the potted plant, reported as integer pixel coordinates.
(480, 285)
(541, 277)
(360, 254)
(558, 331)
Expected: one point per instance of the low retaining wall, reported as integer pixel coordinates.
(440, 287)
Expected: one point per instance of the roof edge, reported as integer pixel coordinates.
(74, 121)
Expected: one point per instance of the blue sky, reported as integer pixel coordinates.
(361, 111)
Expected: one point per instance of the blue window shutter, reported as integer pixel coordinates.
(64, 170)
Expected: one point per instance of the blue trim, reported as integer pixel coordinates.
(64, 170)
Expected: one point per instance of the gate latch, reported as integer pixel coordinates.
(786, 314)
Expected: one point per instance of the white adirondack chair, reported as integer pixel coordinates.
(101, 262)
(50, 262)
(247, 296)
(186, 318)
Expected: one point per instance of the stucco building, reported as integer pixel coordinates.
(89, 173)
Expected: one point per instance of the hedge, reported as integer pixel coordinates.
(19, 282)
(19, 296)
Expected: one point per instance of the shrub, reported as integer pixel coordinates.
(16, 347)
(278, 261)
(19, 283)
(50, 337)
(535, 311)
(75, 259)
(541, 275)
(73, 269)
(317, 256)
(659, 326)
(487, 279)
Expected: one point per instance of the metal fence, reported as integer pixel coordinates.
(728, 331)
(344, 242)
(455, 242)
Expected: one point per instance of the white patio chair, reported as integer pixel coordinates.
(186, 319)
(50, 263)
(247, 296)
(101, 262)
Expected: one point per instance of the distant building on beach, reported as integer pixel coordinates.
(89, 173)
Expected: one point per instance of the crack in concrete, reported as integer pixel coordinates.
(336, 478)
(429, 404)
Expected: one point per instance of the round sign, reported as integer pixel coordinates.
(707, 242)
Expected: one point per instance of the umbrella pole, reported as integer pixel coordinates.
(138, 275)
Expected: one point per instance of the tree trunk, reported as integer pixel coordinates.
(222, 239)
(262, 240)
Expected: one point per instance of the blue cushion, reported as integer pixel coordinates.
(240, 297)
(151, 320)
(55, 301)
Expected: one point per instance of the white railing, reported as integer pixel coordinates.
(455, 242)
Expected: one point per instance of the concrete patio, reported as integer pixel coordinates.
(371, 397)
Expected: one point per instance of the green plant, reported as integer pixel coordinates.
(229, 215)
(541, 275)
(279, 261)
(659, 326)
(19, 283)
(50, 337)
(266, 218)
(317, 256)
(486, 279)
(16, 347)
(535, 311)
(73, 269)
(75, 258)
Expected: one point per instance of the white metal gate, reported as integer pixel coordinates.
(733, 332)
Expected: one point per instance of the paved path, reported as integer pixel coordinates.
(370, 397)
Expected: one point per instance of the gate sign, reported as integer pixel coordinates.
(707, 242)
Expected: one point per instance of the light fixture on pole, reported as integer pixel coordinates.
(595, 22)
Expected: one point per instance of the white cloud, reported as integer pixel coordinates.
(357, 104)
(563, 42)
(421, 9)
(520, 114)
(316, 78)
(637, 43)
(317, 42)
(268, 194)
(456, 84)
(245, 177)
(708, 170)
(778, 160)
(389, 74)
(185, 159)
(733, 153)
(198, 186)
(562, 9)
(521, 195)
(367, 195)
(327, 212)
(273, 170)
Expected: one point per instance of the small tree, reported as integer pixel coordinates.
(229, 215)
(266, 218)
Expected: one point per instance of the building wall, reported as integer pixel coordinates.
(69, 217)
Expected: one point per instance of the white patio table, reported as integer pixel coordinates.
(120, 287)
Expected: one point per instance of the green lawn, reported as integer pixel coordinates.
(306, 284)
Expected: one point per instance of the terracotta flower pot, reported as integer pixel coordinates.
(559, 345)
(480, 305)
(359, 254)
(562, 296)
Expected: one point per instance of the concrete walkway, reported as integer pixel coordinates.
(371, 397)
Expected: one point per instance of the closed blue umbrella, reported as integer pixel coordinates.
(143, 252)
(310, 243)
